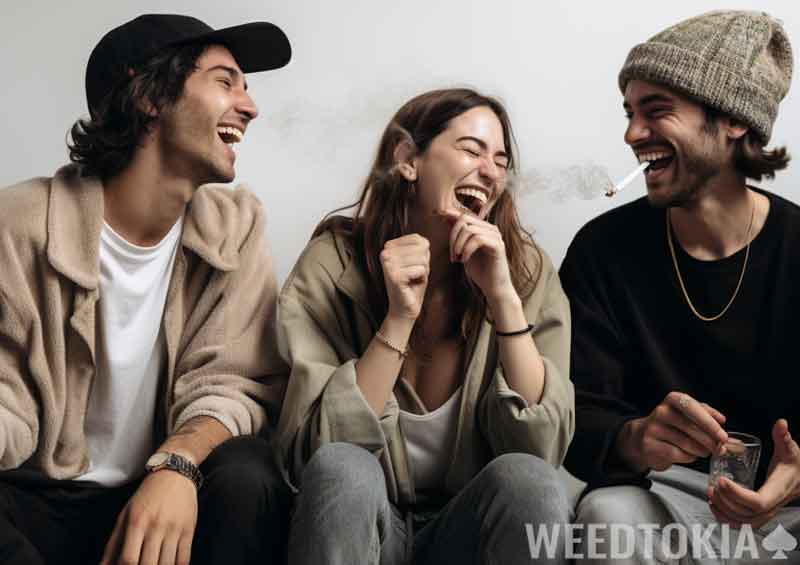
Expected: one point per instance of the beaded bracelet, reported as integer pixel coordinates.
(385, 341)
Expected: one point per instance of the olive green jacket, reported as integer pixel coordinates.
(221, 359)
(325, 324)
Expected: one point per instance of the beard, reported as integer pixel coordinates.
(699, 165)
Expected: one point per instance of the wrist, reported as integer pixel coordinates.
(627, 446)
(167, 461)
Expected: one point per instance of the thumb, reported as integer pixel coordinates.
(786, 448)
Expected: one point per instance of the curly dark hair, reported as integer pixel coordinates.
(105, 143)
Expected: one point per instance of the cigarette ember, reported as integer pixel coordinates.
(628, 179)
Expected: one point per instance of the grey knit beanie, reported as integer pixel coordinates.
(737, 62)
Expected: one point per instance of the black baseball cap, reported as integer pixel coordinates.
(256, 46)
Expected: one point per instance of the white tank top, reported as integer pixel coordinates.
(429, 441)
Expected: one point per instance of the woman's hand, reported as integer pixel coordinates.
(480, 247)
(406, 266)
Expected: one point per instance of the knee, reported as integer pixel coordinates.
(612, 505)
(528, 480)
(244, 470)
(346, 470)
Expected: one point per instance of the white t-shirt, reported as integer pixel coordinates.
(130, 353)
(429, 442)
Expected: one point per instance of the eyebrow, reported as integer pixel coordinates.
(234, 73)
(649, 99)
(482, 144)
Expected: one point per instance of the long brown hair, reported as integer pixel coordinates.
(381, 211)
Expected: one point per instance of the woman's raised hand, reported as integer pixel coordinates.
(406, 265)
(480, 247)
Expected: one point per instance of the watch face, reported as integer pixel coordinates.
(157, 459)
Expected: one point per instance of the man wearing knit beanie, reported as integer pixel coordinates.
(684, 328)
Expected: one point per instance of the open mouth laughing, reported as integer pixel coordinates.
(472, 199)
(659, 161)
(230, 135)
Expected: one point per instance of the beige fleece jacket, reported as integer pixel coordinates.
(221, 356)
(324, 326)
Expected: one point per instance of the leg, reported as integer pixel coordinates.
(342, 514)
(48, 521)
(623, 517)
(243, 505)
(494, 518)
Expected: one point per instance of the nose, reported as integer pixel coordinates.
(489, 171)
(246, 107)
(637, 131)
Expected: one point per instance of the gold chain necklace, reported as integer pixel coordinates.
(680, 278)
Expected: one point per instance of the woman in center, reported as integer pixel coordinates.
(428, 337)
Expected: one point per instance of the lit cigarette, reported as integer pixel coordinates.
(627, 180)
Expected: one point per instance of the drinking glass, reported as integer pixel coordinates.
(739, 463)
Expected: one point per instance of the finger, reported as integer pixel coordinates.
(455, 233)
(414, 257)
(407, 240)
(468, 233)
(691, 408)
(413, 274)
(722, 517)
(730, 506)
(687, 427)
(666, 452)
(478, 242)
(151, 549)
(113, 545)
(678, 438)
(169, 549)
(184, 550)
(716, 414)
(132, 546)
(756, 502)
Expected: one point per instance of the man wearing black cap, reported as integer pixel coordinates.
(135, 317)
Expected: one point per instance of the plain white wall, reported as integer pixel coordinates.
(355, 62)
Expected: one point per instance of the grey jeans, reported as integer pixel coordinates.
(680, 527)
(343, 514)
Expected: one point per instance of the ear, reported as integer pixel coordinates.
(405, 162)
(734, 129)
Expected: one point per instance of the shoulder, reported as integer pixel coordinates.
(323, 261)
(221, 212)
(23, 210)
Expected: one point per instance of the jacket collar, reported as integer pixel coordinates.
(75, 218)
(353, 280)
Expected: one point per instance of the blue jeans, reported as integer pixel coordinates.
(343, 514)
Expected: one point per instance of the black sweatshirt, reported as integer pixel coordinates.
(634, 338)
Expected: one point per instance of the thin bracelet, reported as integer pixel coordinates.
(385, 341)
(517, 332)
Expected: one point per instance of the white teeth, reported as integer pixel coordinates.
(474, 192)
(652, 156)
(235, 132)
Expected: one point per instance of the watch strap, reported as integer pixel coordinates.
(181, 465)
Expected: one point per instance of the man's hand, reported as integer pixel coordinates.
(157, 525)
(679, 430)
(736, 505)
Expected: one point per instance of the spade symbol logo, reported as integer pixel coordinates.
(779, 541)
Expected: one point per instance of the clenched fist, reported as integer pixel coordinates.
(406, 265)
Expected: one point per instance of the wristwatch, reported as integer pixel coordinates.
(174, 462)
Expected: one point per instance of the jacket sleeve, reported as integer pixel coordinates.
(545, 429)
(19, 416)
(598, 371)
(228, 368)
(323, 403)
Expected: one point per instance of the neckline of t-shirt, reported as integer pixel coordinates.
(433, 413)
(118, 242)
(734, 260)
